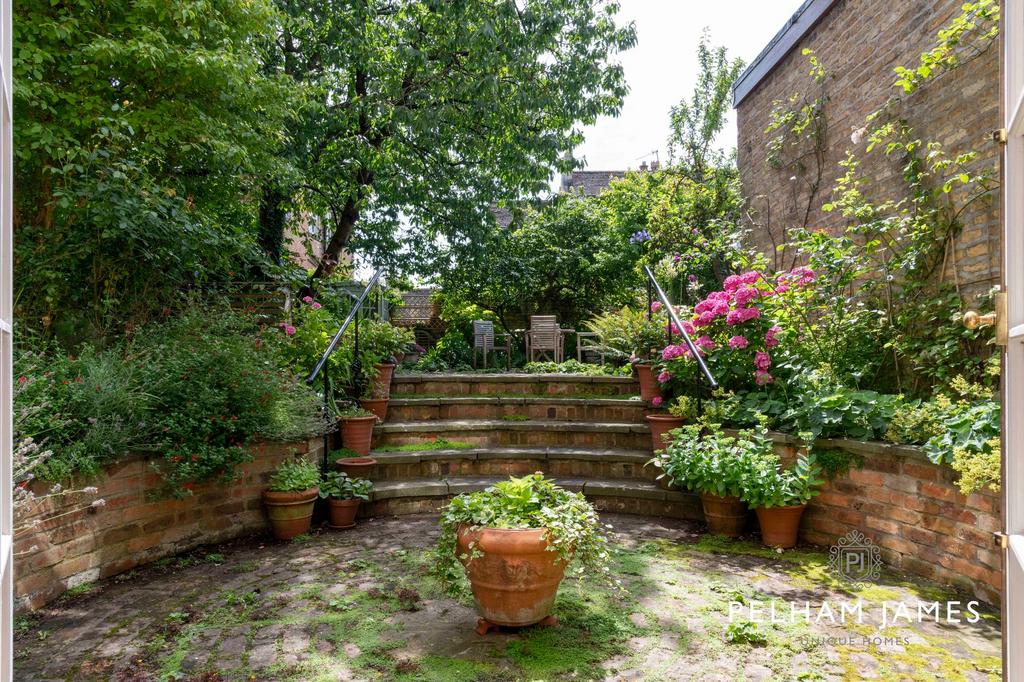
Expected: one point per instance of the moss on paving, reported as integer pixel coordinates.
(669, 613)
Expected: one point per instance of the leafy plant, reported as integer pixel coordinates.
(574, 367)
(294, 475)
(337, 485)
(353, 412)
(628, 333)
(744, 632)
(703, 459)
(769, 484)
(572, 526)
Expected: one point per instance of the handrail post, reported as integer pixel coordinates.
(327, 413)
(357, 365)
(650, 298)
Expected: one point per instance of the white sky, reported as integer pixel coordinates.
(662, 68)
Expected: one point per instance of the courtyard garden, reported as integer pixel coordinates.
(631, 444)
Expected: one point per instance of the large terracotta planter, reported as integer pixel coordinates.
(661, 425)
(779, 525)
(379, 406)
(357, 467)
(649, 386)
(357, 433)
(726, 515)
(342, 513)
(290, 513)
(381, 387)
(516, 578)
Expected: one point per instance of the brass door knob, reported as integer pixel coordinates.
(973, 320)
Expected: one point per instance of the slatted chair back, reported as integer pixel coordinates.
(544, 332)
(483, 334)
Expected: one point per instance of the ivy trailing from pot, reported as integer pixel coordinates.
(521, 533)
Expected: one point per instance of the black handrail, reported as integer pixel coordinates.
(344, 326)
(674, 318)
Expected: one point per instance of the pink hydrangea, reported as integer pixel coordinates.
(673, 328)
(761, 377)
(745, 295)
(732, 282)
(315, 306)
(741, 315)
(672, 352)
(688, 327)
(289, 330)
(307, 299)
(737, 342)
(655, 306)
(704, 319)
(720, 308)
(762, 361)
(750, 277)
(771, 337)
(705, 342)
(657, 401)
(664, 377)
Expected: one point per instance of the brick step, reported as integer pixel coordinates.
(536, 408)
(498, 384)
(500, 432)
(415, 495)
(555, 462)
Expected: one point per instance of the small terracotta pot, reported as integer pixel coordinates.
(726, 515)
(381, 387)
(379, 406)
(649, 386)
(661, 425)
(290, 513)
(515, 580)
(342, 513)
(357, 433)
(779, 525)
(357, 467)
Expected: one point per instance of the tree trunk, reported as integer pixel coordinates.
(272, 223)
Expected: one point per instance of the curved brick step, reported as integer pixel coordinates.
(536, 408)
(415, 495)
(514, 461)
(499, 432)
(496, 384)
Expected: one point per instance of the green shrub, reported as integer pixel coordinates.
(337, 485)
(769, 484)
(702, 459)
(629, 333)
(576, 367)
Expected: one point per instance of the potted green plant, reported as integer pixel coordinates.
(634, 334)
(715, 466)
(514, 541)
(380, 342)
(343, 495)
(289, 497)
(356, 426)
(681, 410)
(779, 495)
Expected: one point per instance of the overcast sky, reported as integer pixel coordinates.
(662, 69)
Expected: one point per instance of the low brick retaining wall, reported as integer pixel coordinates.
(914, 512)
(135, 527)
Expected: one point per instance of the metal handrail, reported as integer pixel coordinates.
(679, 325)
(344, 326)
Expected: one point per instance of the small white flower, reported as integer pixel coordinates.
(98, 503)
(858, 135)
(90, 490)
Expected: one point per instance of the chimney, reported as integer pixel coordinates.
(566, 183)
(643, 167)
(655, 165)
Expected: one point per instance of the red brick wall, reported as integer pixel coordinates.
(860, 42)
(914, 512)
(135, 528)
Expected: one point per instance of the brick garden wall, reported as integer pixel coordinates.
(914, 512)
(860, 42)
(135, 528)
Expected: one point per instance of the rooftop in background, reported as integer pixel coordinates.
(592, 183)
(802, 21)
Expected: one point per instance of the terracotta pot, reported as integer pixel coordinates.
(379, 406)
(649, 386)
(661, 425)
(290, 513)
(357, 467)
(342, 513)
(726, 515)
(779, 525)
(357, 433)
(516, 579)
(381, 387)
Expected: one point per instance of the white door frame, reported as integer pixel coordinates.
(1013, 353)
(6, 330)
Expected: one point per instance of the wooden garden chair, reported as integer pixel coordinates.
(545, 339)
(483, 342)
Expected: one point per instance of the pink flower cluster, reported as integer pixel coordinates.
(738, 342)
(771, 337)
(287, 329)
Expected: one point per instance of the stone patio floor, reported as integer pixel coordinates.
(361, 605)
